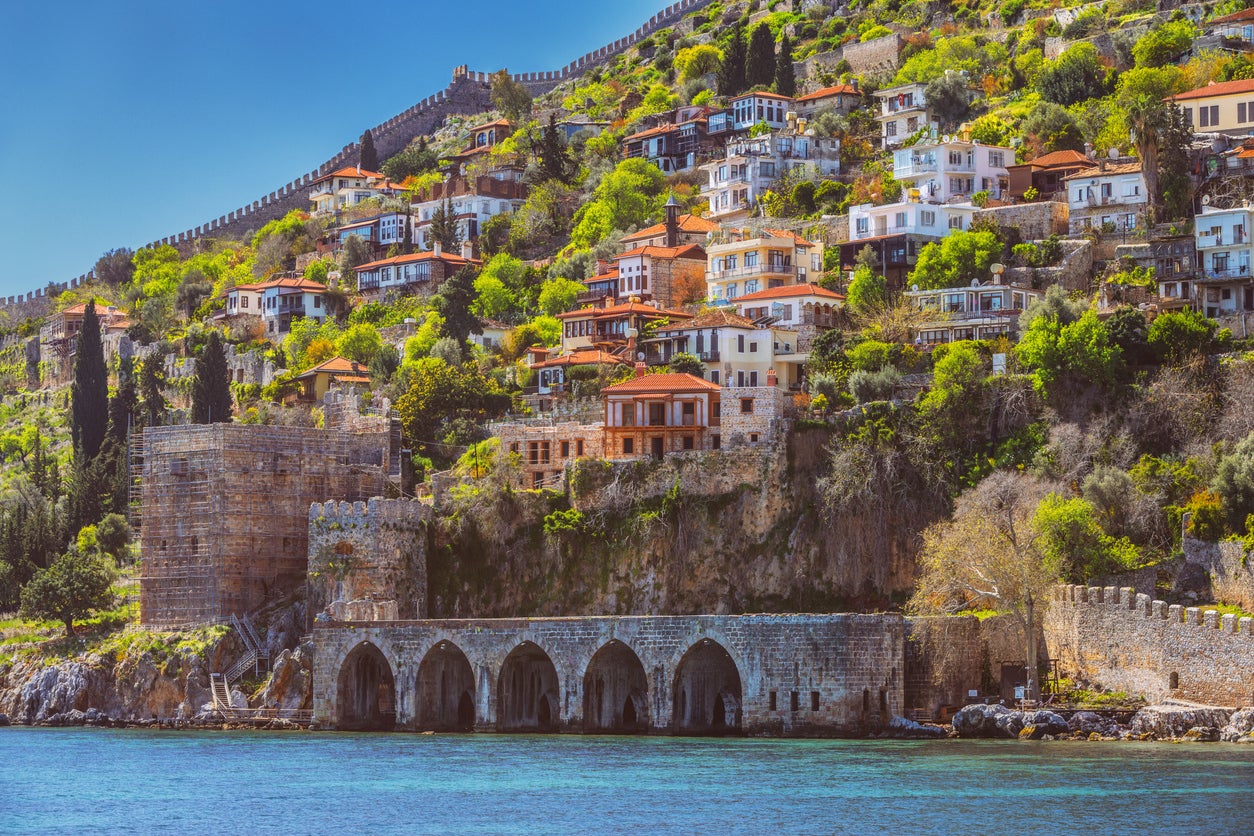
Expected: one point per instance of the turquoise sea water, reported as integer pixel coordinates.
(95, 780)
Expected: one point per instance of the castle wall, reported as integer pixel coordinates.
(846, 671)
(1127, 642)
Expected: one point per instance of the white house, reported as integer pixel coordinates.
(749, 109)
(472, 200)
(751, 164)
(422, 272)
(903, 111)
(977, 312)
(771, 258)
(283, 301)
(348, 187)
(1224, 284)
(735, 351)
(793, 306)
(1112, 196)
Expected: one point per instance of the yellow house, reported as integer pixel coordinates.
(1226, 107)
(336, 371)
(747, 264)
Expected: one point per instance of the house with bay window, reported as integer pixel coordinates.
(656, 414)
(1224, 284)
(742, 264)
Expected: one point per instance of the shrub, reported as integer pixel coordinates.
(874, 386)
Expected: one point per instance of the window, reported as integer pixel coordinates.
(900, 219)
(714, 376)
(890, 129)
(629, 446)
(688, 443)
(773, 701)
(657, 414)
(997, 159)
(740, 343)
(753, 438)
(746, 406)
(317, 301)
(753, 348)
(688, 417)
(794, 701)
(751, 258)
(955, 158)
(927, 218)
(565, 449)
(628, 414)
(716, 442)
(863, 225)
(243, 302)
(579, 447)
(814, 700)
(753, 378)
(1240, 111)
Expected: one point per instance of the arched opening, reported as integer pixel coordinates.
(366, 691)
(527, 698)
(446, 690)
(707, 691)
(1173, 681)
(615, 692)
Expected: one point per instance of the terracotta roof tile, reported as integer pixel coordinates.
(1222, 88)
(582, 357)
(838, 90)
(688, 251)
(691, 224)
(788, 292)
(668, 383)
(1116, 168)
(622, 309)
(427, 255)
(1059, 158)
(716, 319)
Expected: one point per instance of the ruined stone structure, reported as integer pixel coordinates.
(1125, 641)
(705, 674)
(224, 510)
(371, 551)
(544, 448)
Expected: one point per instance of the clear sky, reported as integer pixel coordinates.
(124, 122)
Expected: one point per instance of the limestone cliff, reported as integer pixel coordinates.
(741, 531)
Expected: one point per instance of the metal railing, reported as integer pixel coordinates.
(773, 268)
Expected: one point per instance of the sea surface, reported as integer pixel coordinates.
(97, 780)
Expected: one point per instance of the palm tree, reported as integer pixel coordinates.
(1146, 119)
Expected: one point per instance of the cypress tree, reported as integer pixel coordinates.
(444, 226)
(211, 390)
(785, 77)
(731, 72)
(453, 302)
(555, 162)
(369, 158)
(151, 380)
(90, 392)
(760, 64)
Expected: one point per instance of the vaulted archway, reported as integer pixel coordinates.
(707, 695)
(367, 691)
(527, 691)
(615, 692)
(446, 690)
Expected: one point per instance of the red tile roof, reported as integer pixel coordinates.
(648, 132)
(788, 292)
(603, 277)
(1060, 158)
(761, 95)
(1223, 88)
(293, 284)
(1235, 17)
(341, 369)
(688, 251)
(783, 233)
(582, 357)
(691, 224)
(716, 319)
(426, 255)
(349, 171)
(1115, 168)
(661, 384)
(623, 309)
(838, 90)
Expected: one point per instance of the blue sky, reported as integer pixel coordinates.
(124, 122)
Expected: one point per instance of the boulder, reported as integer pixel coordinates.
(983, 721)
(906, 729)
(1202, 734)
(1173, 721)
(1240, 724)
(1043, 723)
(4, 720)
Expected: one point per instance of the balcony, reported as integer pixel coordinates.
(1206, 240)
(770, 268)
(1225, 271)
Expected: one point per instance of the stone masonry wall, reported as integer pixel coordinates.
(1127, 642)
(849, 666)
(369, 551)
(1035, 220)
(765, 420)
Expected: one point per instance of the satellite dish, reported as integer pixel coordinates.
(975, 282)
(915, 288)
(640, 356)
(1206, 200)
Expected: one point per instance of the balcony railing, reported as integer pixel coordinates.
(1241, 271)
(771, 268)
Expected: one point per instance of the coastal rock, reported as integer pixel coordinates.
(1240, 725)
(1043, 723)
(984, 721)
(1202, 734)
(4, 720)
(291, 681)
(906, 729)
(1090, 723)
(1172, 721)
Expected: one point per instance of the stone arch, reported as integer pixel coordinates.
(366, 691)
(707, 692)
(615, 691)
(446, 690)
(527, 694)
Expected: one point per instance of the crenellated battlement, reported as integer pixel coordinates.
(334, 515)
(1127, 599)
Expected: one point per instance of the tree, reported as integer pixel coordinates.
(367, 157)
(211, 388)
(1080, 351)
(731, 71)
(444, 228)
(957, 259)
(556, 162)
(1072, 537)
(760, 61)
(361, 342)
(1141, 95)
(453, 303)
(693, 62)
(1179, 337)
(989, 556)
(948, 100)
(685, 363)
(492, 297)
(867, 291)
(558, 295)
(384, 364)
(1175, 187)
(510, 97)
(1164, 44)
(354, 254)
(1234, 481)
(113, 535)
(115, 267)
(439, 393)
(629, 196)
(90, 393)
(1074, 76)
(414, 159)
(785, 76)
(151, 381)
(1053, 128)
(70, 588)
(1129, 330)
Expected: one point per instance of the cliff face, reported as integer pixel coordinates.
(718, 533)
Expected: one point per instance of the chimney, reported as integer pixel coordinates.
(437, 248)
(603, 267)
(640, 367)
(468, 250)
(672, 221)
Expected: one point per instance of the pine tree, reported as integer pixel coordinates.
(731, 72)
(760, 63)
(211, 390)
(453, 302)
(785, 77)
(555, 161)
(369, 158)
(90, 393)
